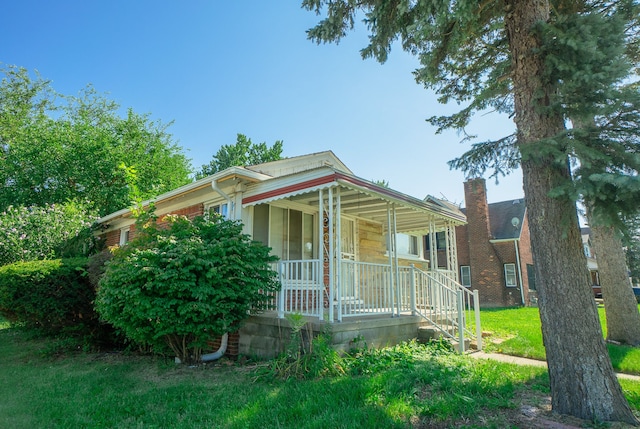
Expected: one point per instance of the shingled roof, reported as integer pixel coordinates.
(506, 218)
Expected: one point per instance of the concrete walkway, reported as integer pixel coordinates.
(531, 362)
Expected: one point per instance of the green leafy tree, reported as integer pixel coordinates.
(502, 56)
(55, 148)
(185, 284)
(243, 152)
(47, 232)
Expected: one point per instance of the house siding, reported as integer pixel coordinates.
(372, 246)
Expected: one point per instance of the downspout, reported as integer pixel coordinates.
(218, 353)
(515, 243)
(209, 357)
(214, 186)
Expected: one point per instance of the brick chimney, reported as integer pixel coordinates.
(477, 208)
(486, 268)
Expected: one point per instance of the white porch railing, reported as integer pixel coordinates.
(367, 289)
(447, 305)
(302, 290)
(364, 288)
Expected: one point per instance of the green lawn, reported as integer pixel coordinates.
(115, 390)
(401, 389)
(516, 331)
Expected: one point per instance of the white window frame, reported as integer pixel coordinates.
(219, 208)
(465, 272)
(308, 247)
(125, 234)
(405, 254)
(510, 273)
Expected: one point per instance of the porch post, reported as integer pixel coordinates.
(390, 251)
(338, 263)
(321, 253)
(282, 293)
(433, 247)
(476, 310)
(331, 253)
(395, 260)
(452, 251)
(413, 290)
(461, 320)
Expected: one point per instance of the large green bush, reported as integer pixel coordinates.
(183, 285)
(45, 232)
(51, 295)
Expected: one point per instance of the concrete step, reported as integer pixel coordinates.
(426, 333)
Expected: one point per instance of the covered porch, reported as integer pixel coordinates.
(350, 248)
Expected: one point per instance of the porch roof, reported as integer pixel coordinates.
(358, 198)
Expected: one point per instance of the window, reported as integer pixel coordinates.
(288, 232)
(510, 275)
(465, 275)
(441, 241)
(219, 209)
(124, 236)
(531, 277)
(408, 245)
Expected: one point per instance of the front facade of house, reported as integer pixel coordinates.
(348, 248)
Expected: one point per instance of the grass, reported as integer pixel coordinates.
(127, 391)
(416, 388)
(516, 331)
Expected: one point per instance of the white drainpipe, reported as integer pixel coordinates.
(209, 357)
(214, 186)
(515, 243)
(218, 353)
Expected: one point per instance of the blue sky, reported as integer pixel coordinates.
(217, 68)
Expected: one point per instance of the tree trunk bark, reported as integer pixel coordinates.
(621, 308)
(583, 383)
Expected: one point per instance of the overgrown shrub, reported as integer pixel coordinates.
(47, 232)
(307, 356)
(52, 295)
(186, 283)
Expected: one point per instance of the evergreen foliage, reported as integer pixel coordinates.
(547, 64)
(185, 284)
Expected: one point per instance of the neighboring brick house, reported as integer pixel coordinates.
(494, 249)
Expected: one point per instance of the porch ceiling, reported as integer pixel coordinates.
(358, 198)
(411, 217)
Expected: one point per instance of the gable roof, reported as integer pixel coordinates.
(296, 164)
(297, 179)
(506, 218)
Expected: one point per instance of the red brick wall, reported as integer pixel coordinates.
(190, 212)
(506, 253)
(487, 275)
(113, 238)
(526, 258)
(233, 342)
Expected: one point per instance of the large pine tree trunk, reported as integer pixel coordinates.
(582, 380)
(623, 318)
